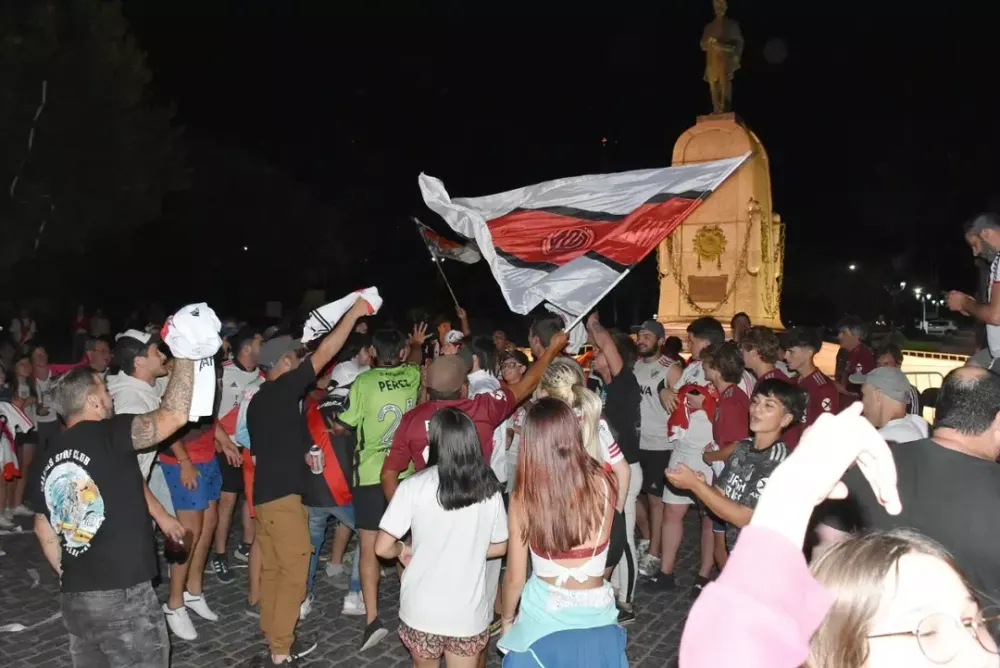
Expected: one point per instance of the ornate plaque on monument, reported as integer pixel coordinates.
(707, 288)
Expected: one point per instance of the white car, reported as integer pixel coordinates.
(939, 327)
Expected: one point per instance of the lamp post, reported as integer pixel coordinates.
(922, 298)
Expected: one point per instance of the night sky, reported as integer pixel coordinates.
(881, 130)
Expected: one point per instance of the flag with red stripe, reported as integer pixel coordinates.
(443, 248)
(569, 241)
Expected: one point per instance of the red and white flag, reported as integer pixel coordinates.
(569, 241)
(446, 249)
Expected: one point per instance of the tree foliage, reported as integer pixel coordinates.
(104, 153)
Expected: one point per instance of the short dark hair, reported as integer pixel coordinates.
(707, 329)
(741, 314)
(73, 388)
(672, 346)
(725, 358)
(982, 221)
(792, 397)
(626, 347)
(483, 348)
(91, 343)
(355, 343)
(890, 348)
(968, 402)
(244, 336)
(389, 343)
(854, 325)
(804, 337)
(464, 475)
(126, 350)
(547, 326)
(764, 341)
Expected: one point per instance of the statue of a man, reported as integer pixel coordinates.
(722, 43)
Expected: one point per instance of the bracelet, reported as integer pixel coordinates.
(402, 546)
(186, 459)
(507, 620)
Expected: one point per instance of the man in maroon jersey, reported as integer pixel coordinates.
(803, 344)
(761, 351)
(859, 358)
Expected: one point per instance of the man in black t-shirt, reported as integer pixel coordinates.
(93, 515)
(949, 484)
(614, 357)
(281, 443)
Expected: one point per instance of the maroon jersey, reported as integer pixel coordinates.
(774, 373)
(823, 396)
(488, 411)
(732, 417)
(860, 360)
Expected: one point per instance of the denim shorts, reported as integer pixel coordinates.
(209, 485)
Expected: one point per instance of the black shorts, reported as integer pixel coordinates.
(369, 506)
(232, 476)
(654, 463)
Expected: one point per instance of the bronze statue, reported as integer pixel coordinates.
(722, 43)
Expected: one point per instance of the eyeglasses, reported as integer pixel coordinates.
(940, 636)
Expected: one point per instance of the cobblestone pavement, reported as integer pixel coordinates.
(232, 641)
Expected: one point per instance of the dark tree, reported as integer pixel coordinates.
(104, 154)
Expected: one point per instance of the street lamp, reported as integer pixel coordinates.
(902, 285)
(852, 267)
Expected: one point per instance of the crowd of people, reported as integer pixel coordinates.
(520, 496)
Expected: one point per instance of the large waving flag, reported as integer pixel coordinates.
(570, 241)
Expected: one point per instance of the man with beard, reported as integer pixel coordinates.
(982, 233)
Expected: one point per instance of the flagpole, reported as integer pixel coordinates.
(437, 262)
(597, 301)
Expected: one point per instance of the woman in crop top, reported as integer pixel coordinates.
(565, 380)
(561, 513)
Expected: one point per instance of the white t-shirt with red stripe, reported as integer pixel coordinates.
(235, 383)
(611, 454)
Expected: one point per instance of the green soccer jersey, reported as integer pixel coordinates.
(376, 404)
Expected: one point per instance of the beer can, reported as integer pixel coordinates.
(315, 460)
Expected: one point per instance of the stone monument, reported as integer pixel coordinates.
(728, 255)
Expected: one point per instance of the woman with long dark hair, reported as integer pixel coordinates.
(456, 515)
(560, 514)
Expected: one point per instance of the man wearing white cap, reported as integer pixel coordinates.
(885, 395)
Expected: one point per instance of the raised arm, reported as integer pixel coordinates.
(334, 341)
(153, 428)
(524, 387)
(603, 340)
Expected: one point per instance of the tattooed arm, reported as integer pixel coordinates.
(152, 428)
(51, 547)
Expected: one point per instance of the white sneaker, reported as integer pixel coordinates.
(334, 570)
(200, 607)
(306, 607)
(650, 565)
(23, 511)
(354, 604)
(7, 524)
(180, 623)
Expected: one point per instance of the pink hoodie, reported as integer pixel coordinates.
(765, 605)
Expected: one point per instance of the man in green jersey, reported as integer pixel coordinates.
(375, 406)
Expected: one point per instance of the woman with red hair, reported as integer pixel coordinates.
(560, 514)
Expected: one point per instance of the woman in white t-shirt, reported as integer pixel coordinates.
(24, 393)
(456, 515)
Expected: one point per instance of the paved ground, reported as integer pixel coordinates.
(232, 641)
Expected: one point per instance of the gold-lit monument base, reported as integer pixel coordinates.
(728, 255)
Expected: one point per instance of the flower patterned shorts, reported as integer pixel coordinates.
(428, 646)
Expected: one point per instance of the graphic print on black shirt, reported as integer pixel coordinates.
(89, 488)
(745, 476)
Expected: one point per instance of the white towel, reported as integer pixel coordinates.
(193, 334)
(323, 319)
(577, 335)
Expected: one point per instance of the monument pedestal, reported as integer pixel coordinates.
(728, 255)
